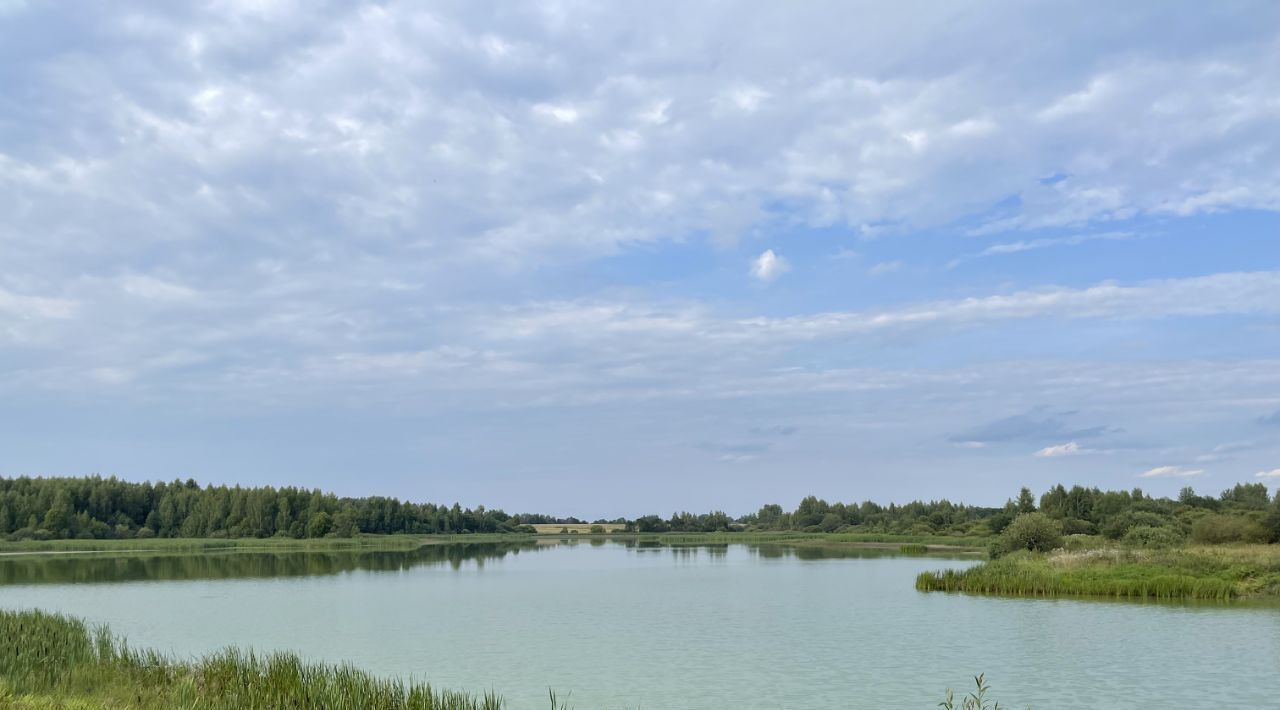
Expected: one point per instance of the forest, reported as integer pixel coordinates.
(104, 508)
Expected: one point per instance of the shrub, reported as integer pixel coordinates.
(1073, 526)
(1147, 536)
(1218, 529)
(597, 529)
(1121, 524)
(1029, 531)
(145, 533)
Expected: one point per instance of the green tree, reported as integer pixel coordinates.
(1272, 523)
(1030, 531)
(57, 520)
(1026, 501)
(319, 525)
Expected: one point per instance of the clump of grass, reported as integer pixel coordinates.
(1174, 574)
(913, 549)
(50, 660)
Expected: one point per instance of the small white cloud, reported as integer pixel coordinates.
(1070, 448)
(154, 289)
(971, 444)
(1171, 472)
(745, 98)
(885, 267)
(559, 114)
(769, 266)
(1273, 473)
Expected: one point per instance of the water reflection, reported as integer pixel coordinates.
(64, 569)
(117, 567)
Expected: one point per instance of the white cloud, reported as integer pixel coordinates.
(885, 267)
(1171, 472)
(769, 266)
(1273, 473)
(1070, 448)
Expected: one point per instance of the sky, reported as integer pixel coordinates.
(610, 259)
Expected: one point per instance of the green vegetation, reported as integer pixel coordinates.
(98, 508)
(1220, 573)
(36, 510)
(976, 700)
(913, 549)
(51, 661)
(1030, 531)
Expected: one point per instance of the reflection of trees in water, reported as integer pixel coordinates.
(64, 569)
(229, 565)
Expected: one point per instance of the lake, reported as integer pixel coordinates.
(614, 625)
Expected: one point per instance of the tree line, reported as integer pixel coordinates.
(1243, 513)
(96, 507)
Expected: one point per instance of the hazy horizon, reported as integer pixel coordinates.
(611, 260)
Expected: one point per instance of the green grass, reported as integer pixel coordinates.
(52, 661)
(913, 549)
(1209, 573)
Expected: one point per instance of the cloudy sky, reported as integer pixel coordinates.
(606, 259)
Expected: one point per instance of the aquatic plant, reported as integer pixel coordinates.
(49, 657)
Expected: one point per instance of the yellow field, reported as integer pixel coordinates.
(556, 528)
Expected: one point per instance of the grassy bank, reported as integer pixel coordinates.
(51, 661)
(1198, 572)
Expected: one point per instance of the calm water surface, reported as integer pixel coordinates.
(620, 625)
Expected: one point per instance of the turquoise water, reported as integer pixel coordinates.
(671, 627)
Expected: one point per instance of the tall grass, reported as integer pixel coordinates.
(1181, 574)
(48, 660)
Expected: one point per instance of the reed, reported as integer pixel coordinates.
(50, 660)
(913, 549)
(1182, 574)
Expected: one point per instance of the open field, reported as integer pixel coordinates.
(582, 529)
(1199, 572)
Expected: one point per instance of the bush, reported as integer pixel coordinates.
(1219, 529)
(597, 529)
(1072, 526)
(145, 533)
(1147, 536)
(1121, 524)
(1029, 531)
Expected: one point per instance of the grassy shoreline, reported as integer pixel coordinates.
(1220, 573)
(55, 661)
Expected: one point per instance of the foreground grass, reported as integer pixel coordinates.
(1199, 572)
(52, 661)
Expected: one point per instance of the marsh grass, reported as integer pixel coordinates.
(913, 549)
(49, 660)
(1209, 573)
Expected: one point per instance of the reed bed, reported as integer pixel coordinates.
(1206, 573)
(49, 660)
(913, 549)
